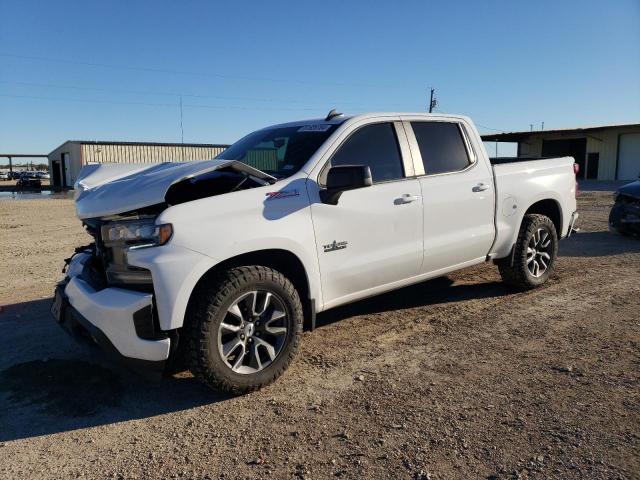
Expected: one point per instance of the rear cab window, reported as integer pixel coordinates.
(442, 146)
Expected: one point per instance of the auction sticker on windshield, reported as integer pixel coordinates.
(323, 127)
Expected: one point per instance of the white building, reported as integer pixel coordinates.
(66, 161)
(607, 152)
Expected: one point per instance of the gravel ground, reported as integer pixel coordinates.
(452, 378)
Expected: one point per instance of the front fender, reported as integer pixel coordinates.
(215, 229)
(175, 272)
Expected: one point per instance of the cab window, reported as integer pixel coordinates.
(441, 146)
(376, 146)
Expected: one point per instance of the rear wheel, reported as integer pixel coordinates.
(534, 254)
(244, 329)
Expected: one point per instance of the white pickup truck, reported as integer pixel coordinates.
(222, 263)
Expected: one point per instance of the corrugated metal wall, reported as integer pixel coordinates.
(117, 153)
(266, 159)
(604, 142)
(74, 166)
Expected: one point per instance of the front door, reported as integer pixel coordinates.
(458, 197)
(373, 236)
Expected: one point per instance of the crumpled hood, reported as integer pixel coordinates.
(631, 189)
(108, 189)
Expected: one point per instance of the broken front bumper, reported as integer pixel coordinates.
(115, 319)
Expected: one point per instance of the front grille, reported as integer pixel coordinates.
(108, 266)
(129, 277)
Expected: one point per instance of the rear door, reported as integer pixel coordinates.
(458, 195)
(373, 236)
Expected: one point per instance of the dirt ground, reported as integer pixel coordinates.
(452, 378)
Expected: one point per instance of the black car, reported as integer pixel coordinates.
(28, 181)
(625, 213)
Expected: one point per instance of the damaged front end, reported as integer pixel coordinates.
(120, 211)
(108, 295)
(624, 217)
(103, 190)
(114, 236)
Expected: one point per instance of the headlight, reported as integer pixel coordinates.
(136, 233)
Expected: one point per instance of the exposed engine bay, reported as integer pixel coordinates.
(210, 184)
(116, 234)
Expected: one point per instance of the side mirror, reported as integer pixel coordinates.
(345, 177)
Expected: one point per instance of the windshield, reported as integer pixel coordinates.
(280, 152)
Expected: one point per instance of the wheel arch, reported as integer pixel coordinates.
(284, 261)
(548, 207)
(544, 205)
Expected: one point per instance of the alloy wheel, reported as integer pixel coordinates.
(539, 252)
(253, 332)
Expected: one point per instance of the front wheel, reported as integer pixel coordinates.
(244, 328)
(534, 254)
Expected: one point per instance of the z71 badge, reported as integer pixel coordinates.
(335, 246)
(282, 194)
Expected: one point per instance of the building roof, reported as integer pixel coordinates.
(519, 136)
(150, 144)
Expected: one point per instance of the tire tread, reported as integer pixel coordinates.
(516, 275)
(205, 306)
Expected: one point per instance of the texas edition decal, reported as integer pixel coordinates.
(335, 246)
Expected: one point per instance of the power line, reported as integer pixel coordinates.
(489, 128)
(62, 99)
(172, 105)
(173, 94)
(183, 72)
(151, 104)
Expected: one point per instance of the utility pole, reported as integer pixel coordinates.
(542, 126)
(181, 131)
(433, 102)
(531, 125)
(181, 128)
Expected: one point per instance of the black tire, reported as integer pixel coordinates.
(615, 225)
(212, 299)
(517, 274)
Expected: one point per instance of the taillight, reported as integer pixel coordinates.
(576, 170)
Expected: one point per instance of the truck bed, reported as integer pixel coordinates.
(501, 160)
(519, 183)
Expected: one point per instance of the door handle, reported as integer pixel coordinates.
(406, 198)
(481, 187)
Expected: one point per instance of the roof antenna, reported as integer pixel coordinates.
(332, 114)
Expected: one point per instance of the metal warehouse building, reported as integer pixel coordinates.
(66, 161)
(609, 152)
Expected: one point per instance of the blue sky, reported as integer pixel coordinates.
(115, 70)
